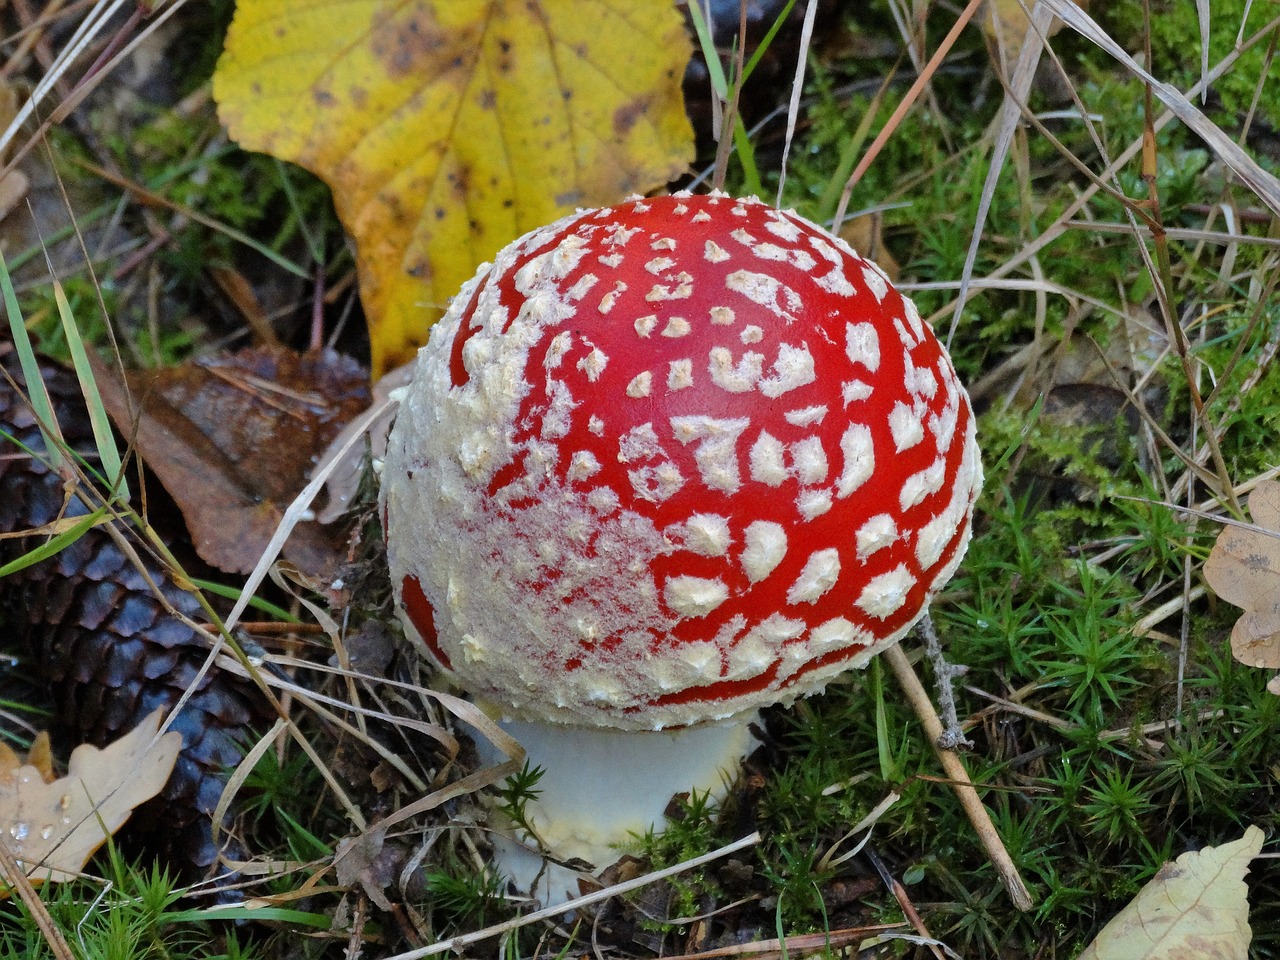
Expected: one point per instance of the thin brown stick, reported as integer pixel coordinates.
(962, 785)
(912, 94)
(729, 121)
(797, 945)
(16, 874)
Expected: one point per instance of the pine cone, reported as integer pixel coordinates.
(102, 639)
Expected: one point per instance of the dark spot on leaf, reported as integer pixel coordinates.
(441, 213)
(409, 40)
(570, 198)
(629, 114)
(461, 179)
(488, 100)
(475, 226)
(504, 46)
(395, 208)
(508, 203)
(323, 98)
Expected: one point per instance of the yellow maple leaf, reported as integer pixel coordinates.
(447, 129)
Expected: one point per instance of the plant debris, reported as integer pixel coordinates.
(52, 827)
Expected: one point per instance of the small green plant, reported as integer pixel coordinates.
(1095, 656)
(464, 899)
(515, 795)
(692, 828)
(798, 879)
(130, 914)
(1114, 807)
(1192, 774)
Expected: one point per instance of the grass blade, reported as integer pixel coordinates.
(108, 453)
(54, 544)
(1264, 185)
(37, 395)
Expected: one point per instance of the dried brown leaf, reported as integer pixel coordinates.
(1195, 908)
(1007, 22)
(232, 439)
(52, 827)
(865, 234)
(366, 860)
(1244, 569)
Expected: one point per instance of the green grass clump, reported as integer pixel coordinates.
(693, 826)
(133, 913)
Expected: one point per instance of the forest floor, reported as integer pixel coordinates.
(1117, 335)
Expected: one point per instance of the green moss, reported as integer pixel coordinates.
(1176, 46)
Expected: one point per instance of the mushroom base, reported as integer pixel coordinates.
(600, 789)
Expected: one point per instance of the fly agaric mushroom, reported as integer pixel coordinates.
(663, 464)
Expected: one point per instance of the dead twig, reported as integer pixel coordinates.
(17, 875)
(963, 785)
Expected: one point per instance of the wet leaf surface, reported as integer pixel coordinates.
(52, 827)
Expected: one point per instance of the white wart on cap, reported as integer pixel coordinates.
(669, 461)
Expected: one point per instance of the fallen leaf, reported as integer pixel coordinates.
(39, 758)
(232, 438)
(1195, 908)
(344, 481)
(1007, 22)
(865, 235)
(365, 859)
(1244, 569)
(446, 130)
(52, 827)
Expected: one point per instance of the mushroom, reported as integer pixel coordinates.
(661, 465)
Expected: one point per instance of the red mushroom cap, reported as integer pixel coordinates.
(672, 460)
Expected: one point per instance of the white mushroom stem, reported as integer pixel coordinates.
(601, 789)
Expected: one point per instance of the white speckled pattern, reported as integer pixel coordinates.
(671, 461)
